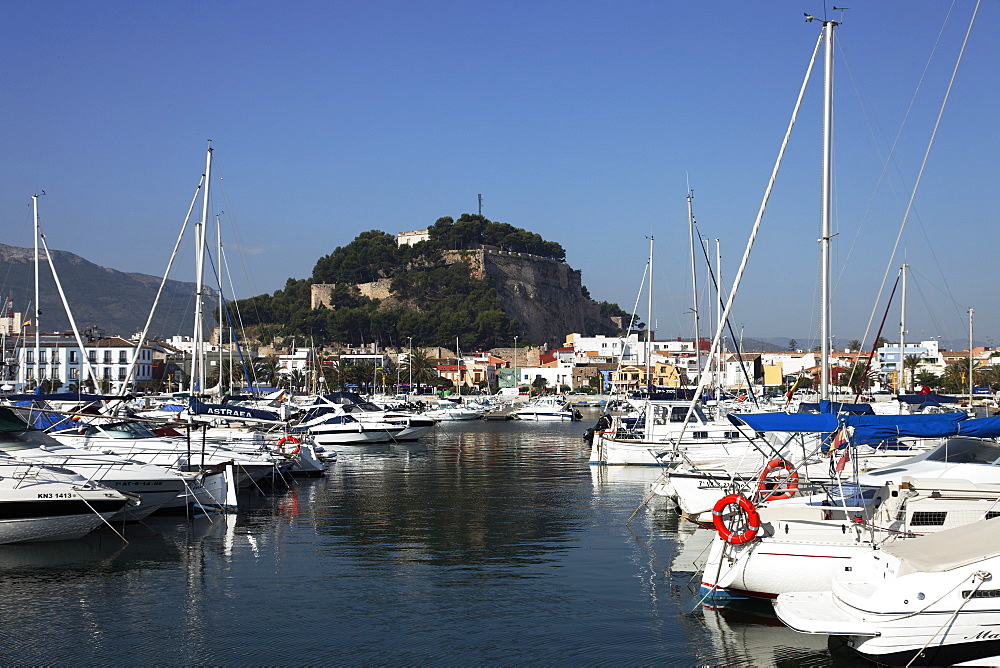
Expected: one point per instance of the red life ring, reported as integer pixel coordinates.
(288, 439)
(790, 484)
(751, 518)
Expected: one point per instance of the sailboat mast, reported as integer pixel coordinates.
(694, 288)
(38, 335)
(902, 334)
(649, 319)
(718, 319)
(971, 357)
(197, 358)
(827, 207)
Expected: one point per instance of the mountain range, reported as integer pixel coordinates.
(116, 302)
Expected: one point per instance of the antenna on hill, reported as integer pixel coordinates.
(480, 204)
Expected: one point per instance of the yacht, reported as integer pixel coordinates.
(930, 600)
(40, 503)
(547, 409)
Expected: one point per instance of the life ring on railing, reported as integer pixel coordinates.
(789, 484)
(750, 518)
(288, 439)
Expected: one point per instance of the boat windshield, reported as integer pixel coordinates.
(27, 439)
(966, 451)
(124, 430)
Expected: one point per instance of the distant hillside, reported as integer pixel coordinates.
(115, 301)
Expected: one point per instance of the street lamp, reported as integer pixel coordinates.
(409, 360)
(517, 376)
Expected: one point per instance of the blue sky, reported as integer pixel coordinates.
(580, 121)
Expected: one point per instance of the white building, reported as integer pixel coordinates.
(59, 359)
(412, 238)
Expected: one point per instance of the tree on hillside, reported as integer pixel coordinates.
(793, 345)
(371, 256)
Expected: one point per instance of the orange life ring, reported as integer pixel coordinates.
(751, 518)
(791, 483)
(288, 439)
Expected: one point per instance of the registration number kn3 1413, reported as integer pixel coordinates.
(57, 495)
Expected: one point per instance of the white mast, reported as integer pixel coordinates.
(694, 288)
(971, 358)
(649, 326)
(198, 356)
(718, 320)
(38, 311)
(902, 335)
(827, 208)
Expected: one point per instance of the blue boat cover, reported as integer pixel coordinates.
(826, 406)
(878, 428)
(237, 412)
(925, 398)
(980, 427)
(811, 422)
(870, 428)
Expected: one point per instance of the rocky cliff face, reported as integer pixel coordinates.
(545, 296)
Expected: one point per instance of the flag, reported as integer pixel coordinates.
(840, 438)
(842, 462)
(27, 323)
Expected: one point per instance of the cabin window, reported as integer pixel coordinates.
(981, 593)
(678, 414)
(732, 434)
(928, 519)
(699, 434)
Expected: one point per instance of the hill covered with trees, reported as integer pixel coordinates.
(431, 297)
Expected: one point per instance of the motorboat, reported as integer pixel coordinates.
(766, 548)
(450, 411)
(414, 426)
(154, 485)
(41, 503)
(925, 601)
(329, 427)
(547, 409)
(133, 440)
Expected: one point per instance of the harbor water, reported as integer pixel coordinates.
(485, 543)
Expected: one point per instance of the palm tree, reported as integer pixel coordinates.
(955, 378)
(422, 366)
(857, 378)
(266, 370)
(854, 345)
(910, 364)
(928, 379)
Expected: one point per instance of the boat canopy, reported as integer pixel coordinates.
(871, 428)
(233, 412)
(838, 407)
(931, 398)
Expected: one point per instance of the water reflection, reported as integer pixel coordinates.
(490, 543)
